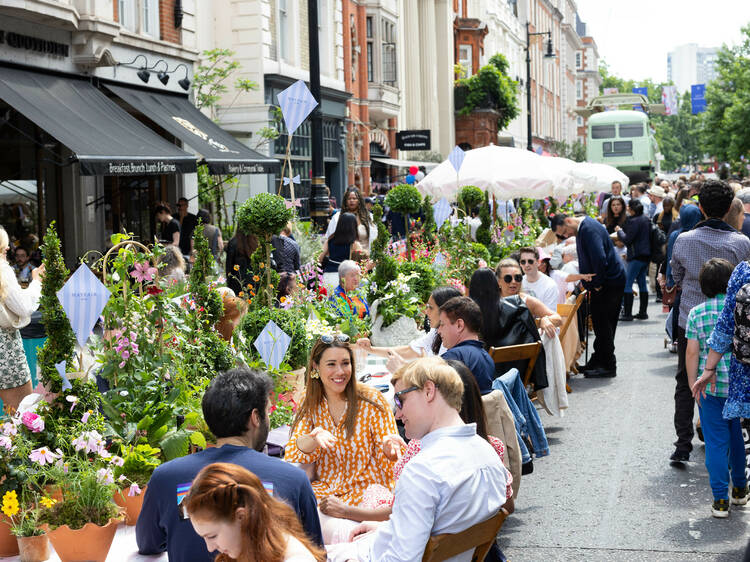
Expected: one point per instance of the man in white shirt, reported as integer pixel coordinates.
(456, 481)
(535, 283)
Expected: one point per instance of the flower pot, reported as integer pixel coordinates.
(8, 542)
(91, 542)
(401, 332)
(131, 504)
(34, 549)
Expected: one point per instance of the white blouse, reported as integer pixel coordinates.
(22, 302)
(423, 344)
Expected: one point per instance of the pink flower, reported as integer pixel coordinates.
(143, 272)
(6, 442)
(73, 401)
(118, 461)
(85, 417)
(9, 428)
(105, 476)
(134, 490)
(33, 422)
(121, 478)
(482, 263)
(43, 456)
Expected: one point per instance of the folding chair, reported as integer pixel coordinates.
(479, 536)
(509, 353)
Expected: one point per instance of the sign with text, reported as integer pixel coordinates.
(644, 92)
(413, 140)
(36, 44)
(698, 98)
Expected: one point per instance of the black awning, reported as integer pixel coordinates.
(104, 138)
(223, 153)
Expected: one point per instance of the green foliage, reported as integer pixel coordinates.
(204, 296)
(209, 81)
(291, 321)
(490, 88)
(425, 280)
(60, 341)
(483, 232)
(377, 250)
(575, 151)
(404, 199)
(139, 463)
(469, 197)
(429, 228)
(263, 215)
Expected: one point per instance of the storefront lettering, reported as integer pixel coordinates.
(18, 41)
(196, 131)
(142, 168)
(242, 168)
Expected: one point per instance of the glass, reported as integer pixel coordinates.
(341, 338)
(529, 262)
(508, 278)
(627, 131)
(397, 397)
(603, 132)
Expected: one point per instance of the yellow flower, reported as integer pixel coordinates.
(262, 265)
(48, 502)
(236, 267)
(10, 503)
(282, 299)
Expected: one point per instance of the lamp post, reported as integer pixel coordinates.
(318, 199)
(549, 54)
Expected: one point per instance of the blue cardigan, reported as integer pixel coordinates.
(596, 254)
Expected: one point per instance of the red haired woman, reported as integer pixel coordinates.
(230, 508)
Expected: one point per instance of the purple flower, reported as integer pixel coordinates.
(134, 490)
(6, 442)
(143, 272)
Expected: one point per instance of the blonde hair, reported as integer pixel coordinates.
(4, 244)
(435, 369)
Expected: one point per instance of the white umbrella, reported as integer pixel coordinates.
(504, 172)
(602, 176)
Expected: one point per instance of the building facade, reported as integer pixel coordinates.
(588, 78)
(50, 168)
(571, 44)
(690, 64)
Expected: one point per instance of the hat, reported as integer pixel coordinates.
(657, 191)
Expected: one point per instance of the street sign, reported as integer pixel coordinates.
(413, 140)
(698, 98)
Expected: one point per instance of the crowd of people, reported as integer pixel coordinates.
(357, 470)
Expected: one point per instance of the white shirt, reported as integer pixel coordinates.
(22, 302)
(456, 481)
(423, 345)
(335, 221)
(297, 552)
(544, 288)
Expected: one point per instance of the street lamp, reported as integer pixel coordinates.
(548, 55)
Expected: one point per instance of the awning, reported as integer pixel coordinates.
(104, 138)
(406, 163)
(223, 153)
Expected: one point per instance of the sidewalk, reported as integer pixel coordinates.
(607, 491)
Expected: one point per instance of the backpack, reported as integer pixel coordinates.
(658, 243)
(741, 339)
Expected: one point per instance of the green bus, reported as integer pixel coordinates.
(622, 137)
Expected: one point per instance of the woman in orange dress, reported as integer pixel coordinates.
(347, 430)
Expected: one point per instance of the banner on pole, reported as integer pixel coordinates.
(643, 90)
(698, 98)
(669, 99)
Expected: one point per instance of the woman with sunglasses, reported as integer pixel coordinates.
(346, 430)
(509, 278)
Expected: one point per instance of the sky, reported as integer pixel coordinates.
(634, 36)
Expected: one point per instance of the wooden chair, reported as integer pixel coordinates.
(509, 353)
(570, 314)
(480, 537)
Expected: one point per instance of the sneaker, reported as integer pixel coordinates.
(740, 495)
(680, 456)
(720, 509)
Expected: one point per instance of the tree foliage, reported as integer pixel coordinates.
(490, 88)
(725, 131)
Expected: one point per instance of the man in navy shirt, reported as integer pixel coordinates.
(596, 254)
(460, 325)
(235, 407)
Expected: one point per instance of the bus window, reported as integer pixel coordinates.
(617, 148)
(603, 131)
(631, 130)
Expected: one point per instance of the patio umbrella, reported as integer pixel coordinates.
(504, 172)
(601, 176)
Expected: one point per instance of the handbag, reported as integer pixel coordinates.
(668, 296)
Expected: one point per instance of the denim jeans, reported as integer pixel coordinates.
(525, 415)
(636, 271)
(723, 441)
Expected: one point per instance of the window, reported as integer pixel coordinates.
(150, 18)
(579, 59)
(370, 77)
(389, 52)
(370, 53)
(465, 60)
(126, 13)
(617, 148)
(632, 130)
(369, 27)
(579, 90)
(140, 16)
(283, 30)
(603, 132)
(579, 121)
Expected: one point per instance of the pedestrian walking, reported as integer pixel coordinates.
(636, 235)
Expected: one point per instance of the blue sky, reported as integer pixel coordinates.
(634, 36)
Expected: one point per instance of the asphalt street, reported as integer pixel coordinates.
(607, 490)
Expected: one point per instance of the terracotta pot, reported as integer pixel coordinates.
(34, 549)
(91, 542)
(131, 504)
(8, 542)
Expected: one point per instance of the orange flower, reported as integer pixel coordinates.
(242, 294)
(262, 265)
(249, 286)
(236, 267)
(282, 299)
(256, 278)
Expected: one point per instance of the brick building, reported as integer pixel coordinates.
(588, 79)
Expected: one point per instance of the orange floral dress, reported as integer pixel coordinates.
(354, 463)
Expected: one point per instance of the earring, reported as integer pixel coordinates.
(314, 375)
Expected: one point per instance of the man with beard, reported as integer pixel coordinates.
(235, 407)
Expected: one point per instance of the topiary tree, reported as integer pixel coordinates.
(470, 197)
(429, 228)
(264, 216)
(404, 199)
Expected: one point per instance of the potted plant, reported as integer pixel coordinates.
(132, 473)
(404, 199)
(24, 514)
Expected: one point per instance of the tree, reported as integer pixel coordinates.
(575, 151)
(490, 88)
(725, 131)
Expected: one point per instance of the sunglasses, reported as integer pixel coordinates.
(517, 278)
(397, 397)
(328, 340)
(529, 262)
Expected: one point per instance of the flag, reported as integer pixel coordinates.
(669, 99)
(698, 98)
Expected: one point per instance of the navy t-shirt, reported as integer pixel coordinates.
(472, 354)
(161, 525)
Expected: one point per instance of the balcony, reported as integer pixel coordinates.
(384, 101)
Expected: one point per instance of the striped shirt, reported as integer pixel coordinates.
(700, 324)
